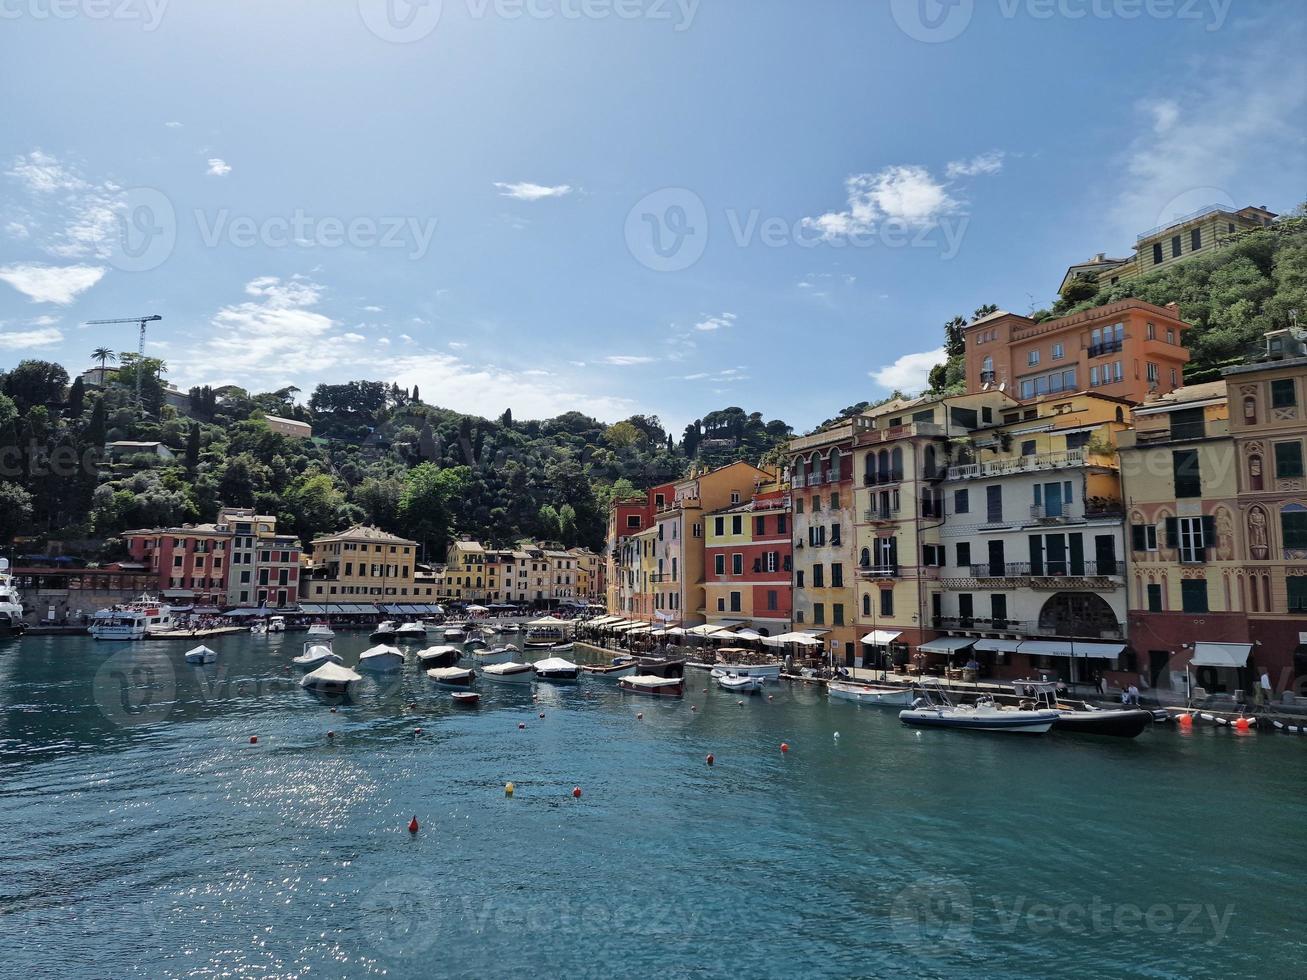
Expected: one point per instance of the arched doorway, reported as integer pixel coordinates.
(1084, 614)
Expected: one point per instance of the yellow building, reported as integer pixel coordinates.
(363, 565)
(465, 571)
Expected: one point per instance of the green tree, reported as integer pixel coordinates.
(104, 355)
(15, 510)
(193, 447)
(34, 382)
(424, 506)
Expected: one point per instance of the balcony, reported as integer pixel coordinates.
(1028, 628)
(1040, 513)
(987, 377)
(879, 571)
(1058, 571)
(881, 515)
(1034, 463)
(798, 481)
(1106, 347)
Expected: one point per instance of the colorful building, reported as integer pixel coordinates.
(626, 518)
(363, 565)
(1129, 350)
(748, 562)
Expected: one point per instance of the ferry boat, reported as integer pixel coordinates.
(133, 621)
(11, 604)
(548, 633)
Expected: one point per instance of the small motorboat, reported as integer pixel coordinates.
(455, 633)
(509, 673)
(411, 631)
(557, 669)
(201, 655)
(452, 677)
(740, 683)
(611, 672)
(258, 629)
(1081, 718)
(489, 630)
(567, 645)
(653, 685)
(320, 631)
(385, 631)
(934, 710)
(494, 655)
(315, 655)
(734, 660)
(276, 624)
(381, 657)
(475, 643)
(468, 699)
(899, 697)
(330, 678)
(442, 656)
(660, 666)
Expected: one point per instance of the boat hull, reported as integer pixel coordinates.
(484, 658)
(661, 668)
(610, 672)
(468, 699)
(668, 688)
(867, 694)
(451, 679)
(442, 658)
(741, 685)
(1116, 724)
(524, 676)
(381, 662)
(770, 672)
(1014, 722)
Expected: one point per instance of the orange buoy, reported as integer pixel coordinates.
(254, 740)
(785, 747)
(576, 792)
(413, 825)
(711, 759)
(1241, 725)
(1185, 721)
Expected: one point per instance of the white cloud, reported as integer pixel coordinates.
(218, 167)
(16, 229)
(406, 338)
(20, 339)
(457, 345)
(903, 194)
(80, 216)
(715, 322)
(173, 124)
(51, 283)
(910, 373)
(627, 360)
(372, 309)
(41, 173)
(527, 191)
(353, 336)
(983, 165)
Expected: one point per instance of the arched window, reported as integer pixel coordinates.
(882, 465)
(866, 603)
(929, 466)
(814, 468)
(864, 559)
(834, 465)
(869, 470)
(897, 464)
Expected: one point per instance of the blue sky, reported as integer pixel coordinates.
(616, 206)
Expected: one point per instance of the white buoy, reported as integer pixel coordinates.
(837, 736)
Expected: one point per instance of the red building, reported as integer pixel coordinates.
(748, 560)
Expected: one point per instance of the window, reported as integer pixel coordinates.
(718, 526)
(819, 613)
(735, 496)
(798, 505)
(760, 526)
(1059, 351)
(735, 602)
(1283, 394)
(1195, 239)
(1193, 595)
(1143, 537)
(721, 604)
(835, 501)
(632, 520)
(1154, 597)
(961, 502)
(1157, 253)
(1150, 331)
(798, 579)
(772, 600)
(835, 535)
(1093, 377)
(887, 602)
(1293, 524)
(818, 576)
(1192, 536)
(737, 524)
(1117, 372)
(836, 575)
(816, 505)
(866, 604)
(837, 614)
(932, 555)
(781, 524)
(737, 564)
(1028, 447)
(994, 504)
(1185, 470)
(1187, 423)
(1154, 375)
(1297, 586)
(1032, 357)
(998, 607)
(1288, 460)
(1170, 335)
(964, 554)
(1175, 246)
(719, 564)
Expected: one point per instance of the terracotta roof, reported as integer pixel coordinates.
(364, 532)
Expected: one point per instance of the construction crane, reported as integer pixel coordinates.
(140, 345)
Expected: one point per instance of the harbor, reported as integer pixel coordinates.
(850, 842)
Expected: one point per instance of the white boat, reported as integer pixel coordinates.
(475, 643)
(496, 655)
(381, 657)
(740, 683)
(660, 687)
(316, 654)
(455, 633)
(442, 656)
(869, 693)
(557, 669)
(385, 630)
(611, 672)
(276, 624)
(454, 678)
(320, 631)
(768, 671)
(509, 673)
(11, 603)
(133, 621)
(411, 631)
(935, 711)
(201, 655)
(330, 678)
(549, 632)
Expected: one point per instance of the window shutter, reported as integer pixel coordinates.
(1077, 555)
(1137, 540)
(1172, 532)
(1036, 554)
(1209, 537)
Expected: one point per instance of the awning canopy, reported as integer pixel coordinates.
(412, 609)
(989, 645)
(946, 644)
(1069, 648)
(881, 637)
(805, 639)
(707, 629)
(1221, 654)
(545, 621)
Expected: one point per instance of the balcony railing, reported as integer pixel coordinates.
(986, 377)
(1048, 569)
(879, 571)
(798, 481)
(874, 514)
(1021, 627)
(1022, 464)
(1106, 347)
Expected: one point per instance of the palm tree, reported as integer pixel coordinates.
(103, 355)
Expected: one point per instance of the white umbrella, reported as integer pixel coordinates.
(548, 621)
(477, 609)
(805, 639)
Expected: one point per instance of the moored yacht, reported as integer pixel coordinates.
(381, 657)
(441, 656)
(1080, 717)
(316, 653)
(557, 669)
(898, 697)
(385, 631)
(509, 673)
(331, 678)
(934, 710)
(133, 621)
(11, 604)
(452, 678)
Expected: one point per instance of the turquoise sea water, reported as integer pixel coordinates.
(145, 836)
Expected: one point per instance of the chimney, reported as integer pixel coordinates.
(1174, 307)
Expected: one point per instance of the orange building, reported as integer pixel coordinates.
(1129, 350)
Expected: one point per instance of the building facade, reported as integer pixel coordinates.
(363, 565)
(748, 562)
